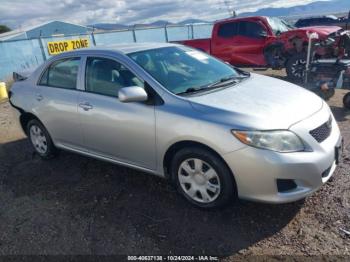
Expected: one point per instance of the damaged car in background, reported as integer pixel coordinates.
(343, 22)
(323, 76)
(270, 42)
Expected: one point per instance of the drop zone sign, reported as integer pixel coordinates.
(58, 47)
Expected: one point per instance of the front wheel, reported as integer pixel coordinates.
(346, 101)
(202, 178)
(296, 67)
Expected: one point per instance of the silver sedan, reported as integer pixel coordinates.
(214, 131)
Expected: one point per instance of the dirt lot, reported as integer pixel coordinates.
(76, 205)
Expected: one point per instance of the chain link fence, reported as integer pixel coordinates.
(20, 55)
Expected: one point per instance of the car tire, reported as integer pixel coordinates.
(296, 67)
(40, 139)
(346, 101)
(203, 178)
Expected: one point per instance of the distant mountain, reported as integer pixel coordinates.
(315, 8)
(160, 23)
(156, 23)
(107, 26)
(192, 21)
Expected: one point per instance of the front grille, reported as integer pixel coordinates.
(322, 132)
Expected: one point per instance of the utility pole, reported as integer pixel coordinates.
(229, 6)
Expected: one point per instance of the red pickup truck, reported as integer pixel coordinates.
(270, 42)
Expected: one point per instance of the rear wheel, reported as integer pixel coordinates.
(346, 101)
(40, 139)
(296, 67)
(202, 178)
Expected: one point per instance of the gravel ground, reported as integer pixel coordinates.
(76, 205)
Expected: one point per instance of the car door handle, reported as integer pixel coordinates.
(86, 106)
(39, 97)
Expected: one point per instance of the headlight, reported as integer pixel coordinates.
(280, 140)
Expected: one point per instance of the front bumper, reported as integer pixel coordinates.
(256, 171)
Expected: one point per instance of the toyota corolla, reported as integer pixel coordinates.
(214, 131)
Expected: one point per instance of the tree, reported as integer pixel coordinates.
(4, 29)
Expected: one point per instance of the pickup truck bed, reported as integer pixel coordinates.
(200, 44)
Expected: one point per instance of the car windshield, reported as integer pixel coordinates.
(184, 70)
(279, 25)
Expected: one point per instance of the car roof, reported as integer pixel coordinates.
(126, 48)
(318, 17)
(238, 18)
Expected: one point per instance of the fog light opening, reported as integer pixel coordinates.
(285, 185)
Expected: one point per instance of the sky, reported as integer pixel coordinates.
(20, 13)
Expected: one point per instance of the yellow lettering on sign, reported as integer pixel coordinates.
(58, 47)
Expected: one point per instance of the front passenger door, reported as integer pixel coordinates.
(121, 131)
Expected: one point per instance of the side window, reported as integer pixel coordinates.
(305, 22)
(251, 29)
(319, 21)
(62, 73)
(330, 21)
(106, 76)
(301, 23)
(313, 21)
(228, 30)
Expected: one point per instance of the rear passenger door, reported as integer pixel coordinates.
(56, 98)
(120, 131)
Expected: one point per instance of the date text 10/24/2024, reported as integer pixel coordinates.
(173, 258)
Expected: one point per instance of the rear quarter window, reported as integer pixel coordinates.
(62, 74)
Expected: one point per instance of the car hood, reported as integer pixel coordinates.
(259, 102)
(322, 31)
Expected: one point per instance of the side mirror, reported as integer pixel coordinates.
(132, 94)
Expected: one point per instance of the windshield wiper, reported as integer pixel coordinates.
(222, 82)
(233, 79)
(190, 90)
(228, 81)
